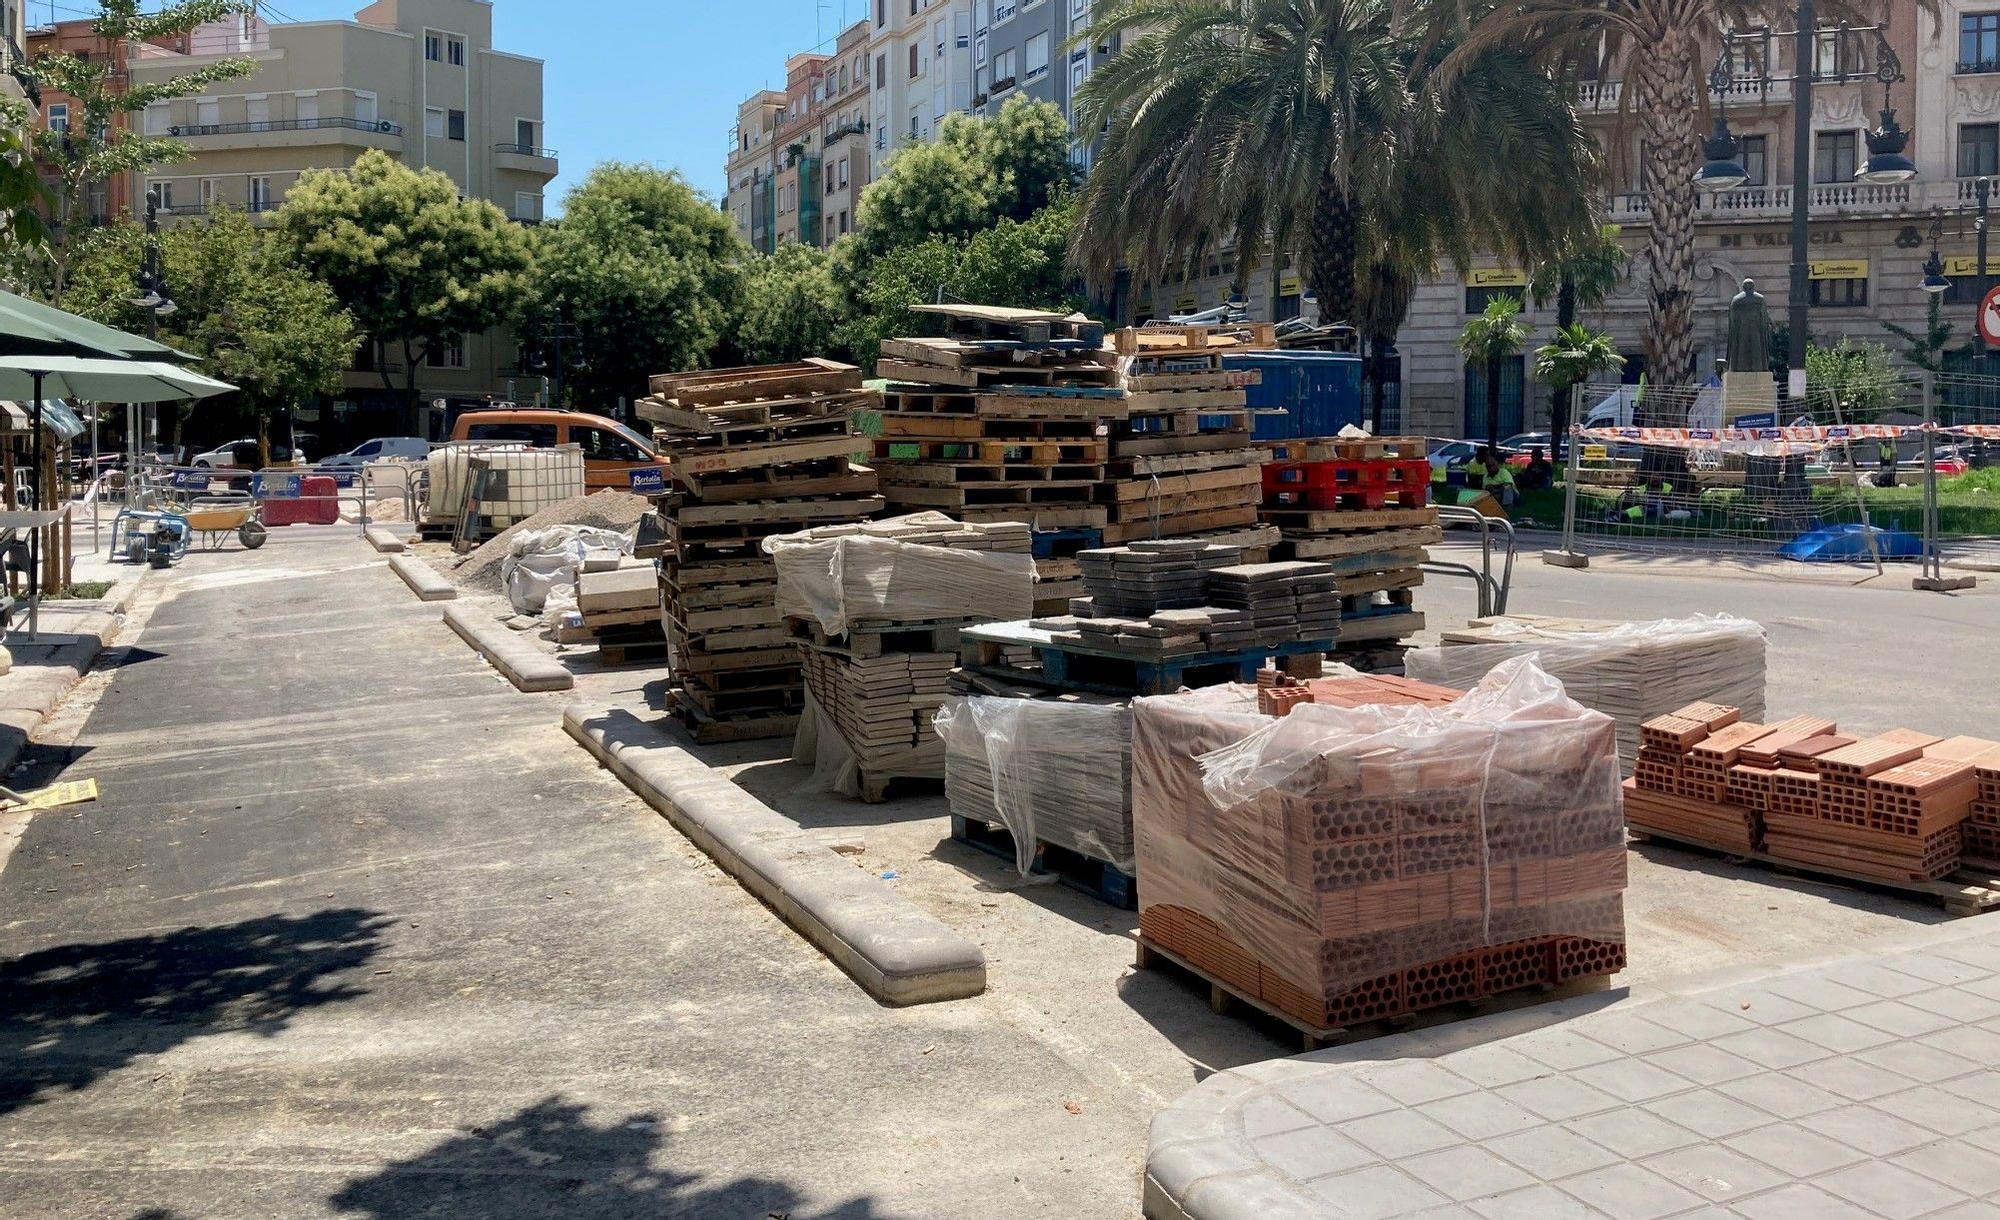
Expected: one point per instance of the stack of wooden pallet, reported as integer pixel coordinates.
(752, 452)
(1890, 807)
(1362, 505)
(620, 610)
(1183, 461)
(876, 610)
(1345, 881)
(1632, 672)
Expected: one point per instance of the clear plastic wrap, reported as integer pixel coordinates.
(887, 572)
(1050, 771)
(1341, 845)
(1631, 672)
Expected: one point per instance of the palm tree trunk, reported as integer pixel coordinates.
(1566, 303)
(1559, 396)
(1493, 401)
(1668, 103)
(1378, 362)
(1333, 250)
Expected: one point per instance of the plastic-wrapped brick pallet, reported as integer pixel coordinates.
(920, 568)
(1631, 672)
(1050, 771)
(1346, 864)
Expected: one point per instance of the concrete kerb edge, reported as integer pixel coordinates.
(429, 584)
(1194, 1140)
(23, 710)
(520, 662)
(382, 540)
(898, 954)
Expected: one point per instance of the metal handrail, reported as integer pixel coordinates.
(1493, 593)
(378, 126)
(525, 150)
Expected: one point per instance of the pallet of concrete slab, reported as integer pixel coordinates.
(620, 608)
(1632, 671)
(882, 707)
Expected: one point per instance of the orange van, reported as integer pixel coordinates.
(611, 451)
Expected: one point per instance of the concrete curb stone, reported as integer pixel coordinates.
(526, 666)
(382, 540)
(429, 584)
(899, 954)
(29, 695)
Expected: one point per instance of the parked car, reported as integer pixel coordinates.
(1447, 454)
(611, 451)
(382, 448)
(242, 454)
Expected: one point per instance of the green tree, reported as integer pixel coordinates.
(1665, 47)
(646, 271)
(1574, 357)
(979, 171)
(1860, 377)
(1582, 272)
(23, 234)
(101, 140)
(1926, 350)
(258, 322)
(1324, 124)
(415, 264)
(1013, 263)
(791, 307)
(1488, 340)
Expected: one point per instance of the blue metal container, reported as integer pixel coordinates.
(1320, 392)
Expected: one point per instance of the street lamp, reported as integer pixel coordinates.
(154, 302)
(1934, 281)
(1723, 170)
(1888, 162)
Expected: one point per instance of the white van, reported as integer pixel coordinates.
(382, 449)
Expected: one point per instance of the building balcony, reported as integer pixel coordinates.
(1977, 67)
(854, 127)
(1827, 199)
(1608, 96)
(289, 133)
(526, 158)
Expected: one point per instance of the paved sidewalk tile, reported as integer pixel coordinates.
(1866, 1087)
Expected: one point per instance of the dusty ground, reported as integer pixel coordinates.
(357, 930)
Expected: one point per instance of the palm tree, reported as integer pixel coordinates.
(1575, 356)
(1584, 273)
(1256, 120)
(1665, 46)
(1488, 339)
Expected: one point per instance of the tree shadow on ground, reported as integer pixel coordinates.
(551, 1160)
(74, 1013)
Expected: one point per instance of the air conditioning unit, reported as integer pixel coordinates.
(174, 130)
(385, 127)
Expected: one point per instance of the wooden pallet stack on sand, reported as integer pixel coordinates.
(752, 452)
(1183, 461)
(1362, 505)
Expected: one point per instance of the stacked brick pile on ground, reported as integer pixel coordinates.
(1344, 864)
(1003, 420)
(1361, 505)
(751, 452)
(1894, 806)
(1982, 828)
(875, 610)
(1183, 458)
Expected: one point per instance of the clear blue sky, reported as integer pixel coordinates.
(653, 81)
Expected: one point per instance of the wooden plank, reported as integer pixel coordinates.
(1216, 379)
(1333, 546)
(1189, 523)
(858, 481)
(1181, 484)
(776, 453)
(1169, 401)
(1341, 519)
(750, 513)
(754, 381)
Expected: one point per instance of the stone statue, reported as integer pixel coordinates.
(1749, 332)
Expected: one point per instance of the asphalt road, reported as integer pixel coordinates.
(356, 930)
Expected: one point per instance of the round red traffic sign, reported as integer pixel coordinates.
(1989, 317)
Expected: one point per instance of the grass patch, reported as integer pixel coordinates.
(84, 590)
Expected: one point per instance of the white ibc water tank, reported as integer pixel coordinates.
(528, 480)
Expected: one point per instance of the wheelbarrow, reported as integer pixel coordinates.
(214, 517)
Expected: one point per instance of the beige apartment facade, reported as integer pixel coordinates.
(799, 157)
(753, 165)
(419, 79)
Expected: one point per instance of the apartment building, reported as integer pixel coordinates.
(921, 71)
(753, 165)
(14, 79)
(1868, 243)
(419, 79)
(1024, 48)
(844, 127)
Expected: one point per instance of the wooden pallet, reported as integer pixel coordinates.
(612, 654)
(865, 641)
(708, 730)
(993, 451)
(1359, 449)
(1100, 879)
(1223, 995)
(1078, 666)
(976, 376)
(967, 424)
(1166, 341)
(990, 474)
(1965, 892)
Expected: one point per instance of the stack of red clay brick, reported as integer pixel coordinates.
(1278, 693)
(1350, 870)
(1982, 829)
(1892, 806)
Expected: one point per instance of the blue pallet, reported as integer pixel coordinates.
(1371, 613)
(1097, 878)
(1104, 672)
(1045, 542)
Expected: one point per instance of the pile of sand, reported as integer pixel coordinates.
(608, 509)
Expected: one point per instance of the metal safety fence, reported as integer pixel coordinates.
(163, 510)
(1890, 469)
